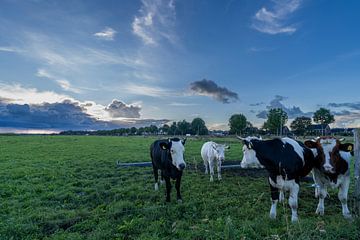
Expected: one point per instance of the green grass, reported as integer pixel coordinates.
(65, 187)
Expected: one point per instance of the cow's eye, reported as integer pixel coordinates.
(172, 151)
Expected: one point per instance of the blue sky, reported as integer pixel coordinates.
(106, 64)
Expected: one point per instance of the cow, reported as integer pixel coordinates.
(168, 157)
(332, 169)
(286, 161)
(212, 152)
(249, 159)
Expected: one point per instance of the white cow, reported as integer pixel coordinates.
(211, 152)
(249, 156)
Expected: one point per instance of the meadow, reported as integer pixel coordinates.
(69, 187)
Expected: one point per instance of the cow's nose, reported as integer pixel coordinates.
(329, 168)
(182, 166)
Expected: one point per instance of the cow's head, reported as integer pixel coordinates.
(177, 149)
(249, 155)
(330, 153)
(219, 150)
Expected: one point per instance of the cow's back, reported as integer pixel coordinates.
(206, 150)
(279, 158)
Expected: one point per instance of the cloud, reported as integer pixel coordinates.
(63, 83)
(29, 108)
(155, 21)
(178, 104)
(354, 106)
(211, 89)
(292, 112)
(64, 58)
(64, 115)
(9, 49)
(273, 21)
(118, 109)
(146, 90)
(347, 119)
(349, 116)
(107, 34)
(256, 104)
(21, 95)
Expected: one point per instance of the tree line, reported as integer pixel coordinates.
(238, 124)
(195, 127)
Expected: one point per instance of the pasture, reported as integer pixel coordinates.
(68, 187)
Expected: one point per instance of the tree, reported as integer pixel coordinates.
(198, 127)
(277, 118)
(173, 129)
(165, 129)
(300, 125)
(183, 127)
(237, 123)
(324, 117)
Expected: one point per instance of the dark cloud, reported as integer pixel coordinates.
(354, 106)
(342, 113)
(66, 115)
(211, 89)
(119, 109)
(256, 104)
(292, 112)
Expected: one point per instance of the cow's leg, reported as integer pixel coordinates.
(177, 186)
(206, 165)
(343, 193)
(316, 184)
(211, 166)
(168, 188)
(322, 195)
(162, 179)
(281, 196)
(156, 176)
(274, 200)
(219, 169)
(293, 201)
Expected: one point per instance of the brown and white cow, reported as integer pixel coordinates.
(332, 169)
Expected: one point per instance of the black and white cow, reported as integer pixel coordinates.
(286, 161)
(168, 157)
(332, 169)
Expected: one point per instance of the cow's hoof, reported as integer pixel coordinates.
(294, 219)
(162, 182)
(272, 215)
(347, 216)
(206, 172)
(179, 200)
(211, 179)
(320, 211)
(219, 178)
(156, 186)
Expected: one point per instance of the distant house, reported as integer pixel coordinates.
(319, 129)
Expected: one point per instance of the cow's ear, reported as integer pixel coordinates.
(310, 144)
(164, 146)
(346, 147)
(183, 141)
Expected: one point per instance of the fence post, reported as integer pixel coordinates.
(357, 172)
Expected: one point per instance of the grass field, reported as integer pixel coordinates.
(66, 187)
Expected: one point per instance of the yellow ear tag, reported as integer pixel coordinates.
(350, 148)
